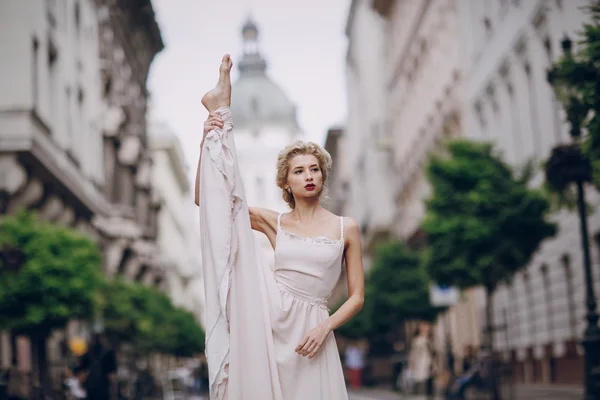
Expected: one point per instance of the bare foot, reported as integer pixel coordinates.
(220, 95)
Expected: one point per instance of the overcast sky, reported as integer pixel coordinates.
(303, 42)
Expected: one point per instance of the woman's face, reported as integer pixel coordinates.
(304, 176)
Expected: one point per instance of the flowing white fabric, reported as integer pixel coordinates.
(255, 317)
(224, 217)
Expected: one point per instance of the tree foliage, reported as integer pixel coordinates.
(189, 338)
(397, 289)
(576, 80)
(58, 280)
(483, 221)
(146, 318)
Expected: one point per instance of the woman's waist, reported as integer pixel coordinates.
(313, 293)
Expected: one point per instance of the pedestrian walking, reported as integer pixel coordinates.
(355, 362)
(422, 361)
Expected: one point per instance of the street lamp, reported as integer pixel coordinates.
(567, 164)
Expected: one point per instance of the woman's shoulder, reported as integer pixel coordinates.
(350, 224)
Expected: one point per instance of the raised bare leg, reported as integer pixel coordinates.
(220, 95)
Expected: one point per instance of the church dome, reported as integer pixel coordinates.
(256, 99)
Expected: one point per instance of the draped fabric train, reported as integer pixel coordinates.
(236, 312)
(255, 317)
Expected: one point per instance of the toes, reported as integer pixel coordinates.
(226, 63)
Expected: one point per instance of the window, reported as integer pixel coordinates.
(566, 261)
(254, 106)
(53, 82)
(35, 71)
(107, 84)
(77, 16)
(548, 299)
(533, 108)
(51, 12)
(531, 317)
(488, 25)
(68, 116)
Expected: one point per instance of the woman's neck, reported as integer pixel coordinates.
(305, 211)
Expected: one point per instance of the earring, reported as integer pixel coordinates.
(289, 190)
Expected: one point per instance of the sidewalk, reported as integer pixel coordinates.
(535, 392)
(522, 392)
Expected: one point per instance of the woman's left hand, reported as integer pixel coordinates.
(312, 342)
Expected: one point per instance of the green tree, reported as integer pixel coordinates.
(576, 81)
(396, 289)
(58, 280)
(189, 337)
(483, 223)
(146, 318)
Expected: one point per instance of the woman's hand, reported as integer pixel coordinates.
(312, 342)
(214, 121)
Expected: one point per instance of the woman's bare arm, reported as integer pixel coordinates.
(265, 221)
(356, 277)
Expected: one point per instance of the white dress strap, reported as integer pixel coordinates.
(342, 228)
(279, 222)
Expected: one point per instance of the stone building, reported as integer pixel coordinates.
(404, 98)
(178, 230)
(508, 48)
(475, 68)
(369, 182)
(336, 185)
(265, 122)
(129, 38)
(73, 142)
(422, 95)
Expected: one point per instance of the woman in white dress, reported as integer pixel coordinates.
(269, 334)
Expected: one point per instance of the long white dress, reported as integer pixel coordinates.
(256, 317)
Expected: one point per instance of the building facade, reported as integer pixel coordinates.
(178, 233)
(423, 89)
(73, 142)
(509, 46)
(478, 69)
(265, 122)
(423, 97)
(365, 170)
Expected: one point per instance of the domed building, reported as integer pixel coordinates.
(264, 121)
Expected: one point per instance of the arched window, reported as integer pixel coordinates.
(77, 15)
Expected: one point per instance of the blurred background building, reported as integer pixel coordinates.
(421, 72)
(508, 48)
(368, 180)
(265, 122)
(178, 231)
(74, 145)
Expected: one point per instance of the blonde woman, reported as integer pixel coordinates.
(269, 334)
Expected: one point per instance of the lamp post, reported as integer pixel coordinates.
(568, 165)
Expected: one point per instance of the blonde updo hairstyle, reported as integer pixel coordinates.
(298, 148)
